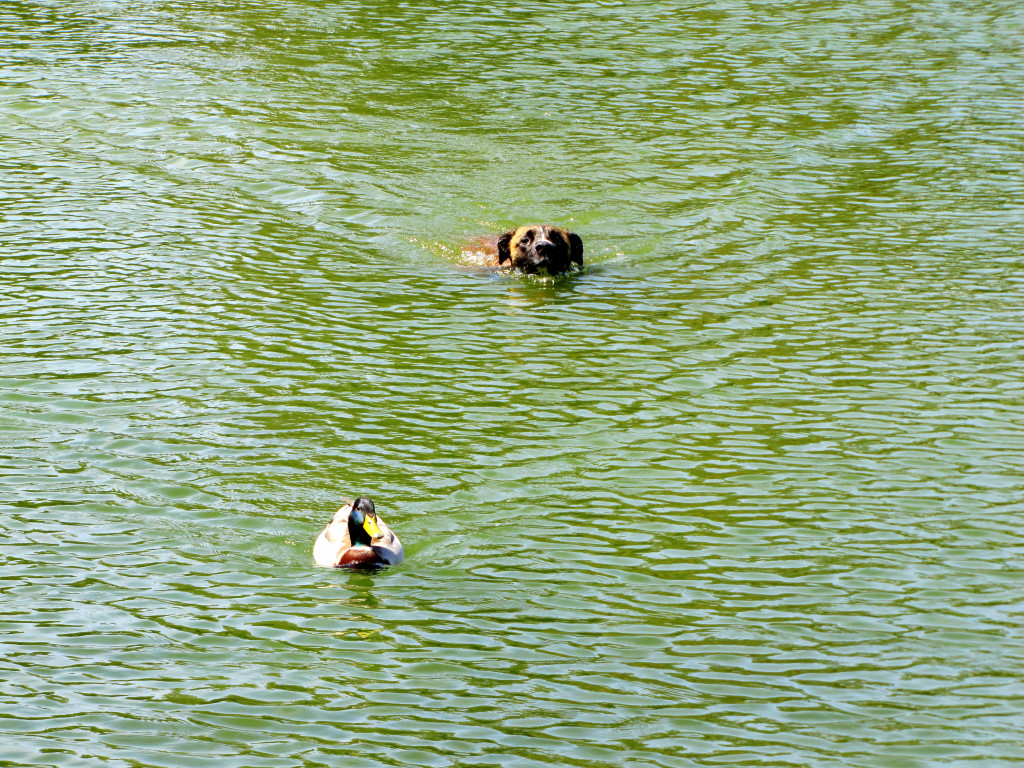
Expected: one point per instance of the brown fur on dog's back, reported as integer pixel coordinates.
(529, 248)
(482, 252)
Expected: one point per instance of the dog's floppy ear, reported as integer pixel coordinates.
(575, 249)
(504, 254)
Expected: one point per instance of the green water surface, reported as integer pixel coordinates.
(747, 491)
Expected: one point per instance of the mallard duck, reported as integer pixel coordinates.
(357, 537)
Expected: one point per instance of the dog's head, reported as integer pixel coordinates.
(537, 247)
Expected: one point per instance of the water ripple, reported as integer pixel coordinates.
(743, 490)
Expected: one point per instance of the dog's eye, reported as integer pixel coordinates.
(528, 236)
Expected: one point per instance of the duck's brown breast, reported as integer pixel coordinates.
(357, 556)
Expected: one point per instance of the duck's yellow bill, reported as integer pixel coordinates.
(371, 527)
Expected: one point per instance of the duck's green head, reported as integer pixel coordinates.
(362, 523)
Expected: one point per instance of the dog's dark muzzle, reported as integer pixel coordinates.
(545, 249)
(544, 256)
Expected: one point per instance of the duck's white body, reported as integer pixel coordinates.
(333, 547)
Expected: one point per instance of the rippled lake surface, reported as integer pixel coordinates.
(745, 491)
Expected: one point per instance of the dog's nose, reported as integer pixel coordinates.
(544, 247)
